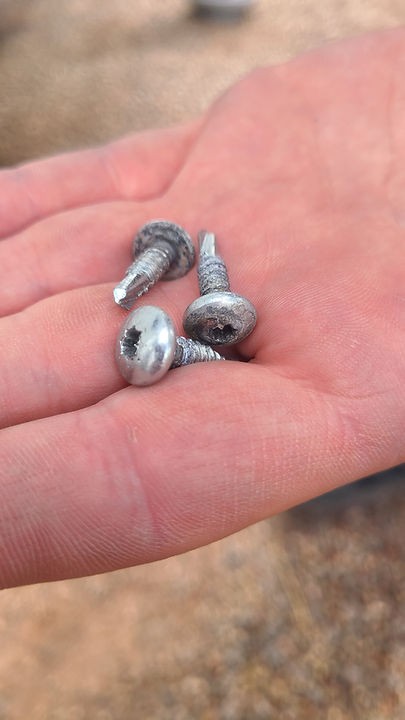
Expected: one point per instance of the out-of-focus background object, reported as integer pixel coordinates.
(223, 9)
(296, 618)
(77, 72)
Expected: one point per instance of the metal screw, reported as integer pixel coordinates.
(147, 347)
(219, 316)
(160, 249)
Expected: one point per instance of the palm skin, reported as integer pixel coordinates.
(299, 171)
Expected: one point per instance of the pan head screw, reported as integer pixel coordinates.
(147, 347)
(179, 241)
(160, 249)
(219, 316)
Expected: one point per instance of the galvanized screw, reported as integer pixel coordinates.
(160, 249)
(147, 347)
(219, 316)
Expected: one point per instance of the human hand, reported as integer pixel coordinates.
(300, 172)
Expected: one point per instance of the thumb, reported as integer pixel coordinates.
(152, 472)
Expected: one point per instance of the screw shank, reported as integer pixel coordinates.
(189, 351)
(144, 272)
(212, 274)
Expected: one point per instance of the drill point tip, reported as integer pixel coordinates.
(207, 242)
(120, 295)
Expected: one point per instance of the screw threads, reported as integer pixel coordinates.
(212, 274)
(218, 316)
(153, 263)
(189, 351)
(144, 272)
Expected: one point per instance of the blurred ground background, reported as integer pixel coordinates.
(296, 618)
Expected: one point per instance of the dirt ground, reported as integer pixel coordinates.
(76, 72)
(296, 618)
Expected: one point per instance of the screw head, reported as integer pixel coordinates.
(146, 345)
(220, 318)
(175, 236)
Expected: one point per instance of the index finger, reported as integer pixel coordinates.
(138, 167)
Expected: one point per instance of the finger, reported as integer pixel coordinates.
(138, 167)
(153, 472)
(58, 355)
(66, 251)
(93, 245)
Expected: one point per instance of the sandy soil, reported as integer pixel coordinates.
(296, 618)
(75, 72)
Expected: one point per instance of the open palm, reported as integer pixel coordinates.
(299, 172)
